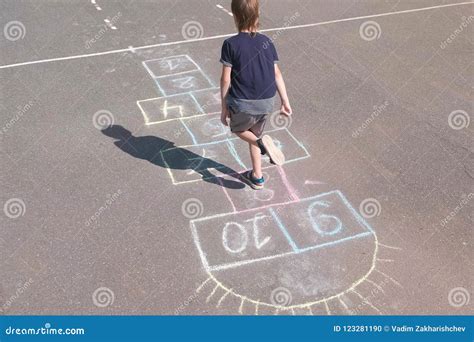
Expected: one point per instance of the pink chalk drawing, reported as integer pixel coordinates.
(316, 252)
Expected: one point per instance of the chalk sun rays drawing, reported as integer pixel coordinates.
(217, 293)
(348, 301)
(318, 250)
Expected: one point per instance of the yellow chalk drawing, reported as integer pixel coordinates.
(257, 303)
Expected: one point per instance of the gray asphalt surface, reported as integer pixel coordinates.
(93, 224)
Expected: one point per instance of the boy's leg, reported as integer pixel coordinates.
(247, 136)
(255, 154)
(256, 158)
(265, 145)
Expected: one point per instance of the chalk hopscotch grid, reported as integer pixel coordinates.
(200, 113)
(191, 94)
(153, 75)
(186, 80)
(296, 250)
(196, 67)
(295, 199)
(233, 152)
(157, 78)
(284, 129)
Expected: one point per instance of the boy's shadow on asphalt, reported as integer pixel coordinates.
(149, 148)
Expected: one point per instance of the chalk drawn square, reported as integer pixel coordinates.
(209, 100)
(234, 238)
(207, 128)
(321, 221)
(291, 147)
(194, 163)
(232, 154)
(168, 108)
(170, 66)
(172, 131)
(339, 222)
(183, 83)
(274, 192)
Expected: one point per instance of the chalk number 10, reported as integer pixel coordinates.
(243, 242)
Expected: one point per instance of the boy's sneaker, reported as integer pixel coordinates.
(274, 153)
(255, 183)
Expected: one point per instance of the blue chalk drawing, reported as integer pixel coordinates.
(284, 231)
(175, 65)
(362, 230)
(197, 103)
(186, 74)
(234, 153)
(315, 224)
(322, 217)
(230, 144)
(193, 138)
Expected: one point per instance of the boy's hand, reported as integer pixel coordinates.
(224, 116)
(286, 109)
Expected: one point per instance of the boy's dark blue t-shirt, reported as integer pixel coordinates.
(252, 59)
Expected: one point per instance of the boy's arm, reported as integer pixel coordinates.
(225, 85)
(280, 83)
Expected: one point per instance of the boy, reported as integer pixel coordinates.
(250, 79)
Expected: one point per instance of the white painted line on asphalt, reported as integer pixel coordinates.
(109, 24)
(225, 10)
(229, 35)
(97, 7)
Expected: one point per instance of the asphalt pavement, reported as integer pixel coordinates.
(119, 186)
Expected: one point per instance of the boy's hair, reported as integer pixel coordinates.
(246, 14)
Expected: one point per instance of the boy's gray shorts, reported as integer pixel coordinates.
(241, 122)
